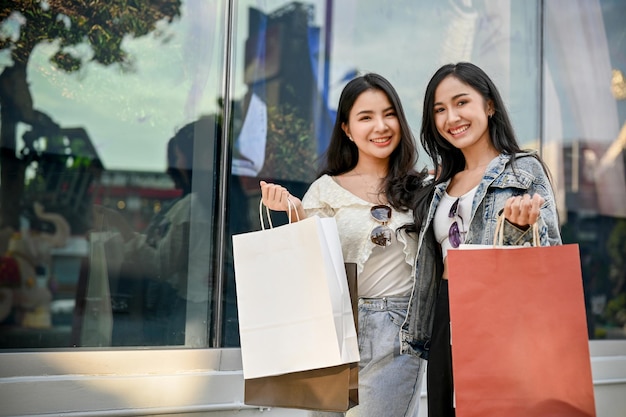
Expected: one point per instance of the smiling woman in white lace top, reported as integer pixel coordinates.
(368, 184)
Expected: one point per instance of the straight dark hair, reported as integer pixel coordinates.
(447, 159)
(342, 154)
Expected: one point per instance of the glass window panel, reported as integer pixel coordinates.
(585, 137)
(292, 59)
(107, 112)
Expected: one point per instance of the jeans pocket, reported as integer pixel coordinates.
(397, 316)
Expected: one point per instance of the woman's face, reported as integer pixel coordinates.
(461, 114)
(373, 125)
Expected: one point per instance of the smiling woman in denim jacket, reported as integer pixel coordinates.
(482, 172)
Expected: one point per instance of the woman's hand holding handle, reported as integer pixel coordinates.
(523, 211)
(275, 197)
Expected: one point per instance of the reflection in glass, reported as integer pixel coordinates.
(293, 58)
(281, 122)
(89, 104)
(586, 135)
(161, 275)
(107, 112)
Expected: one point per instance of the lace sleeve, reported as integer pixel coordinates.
(313, 202)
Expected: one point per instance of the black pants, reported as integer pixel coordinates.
(439, 371)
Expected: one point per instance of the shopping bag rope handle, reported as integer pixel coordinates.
(498, 238)
(290, 207)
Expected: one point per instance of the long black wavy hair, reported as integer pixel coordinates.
(342, 155)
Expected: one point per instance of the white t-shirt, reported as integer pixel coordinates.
(443, 221)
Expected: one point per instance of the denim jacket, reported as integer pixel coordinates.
(498, 184)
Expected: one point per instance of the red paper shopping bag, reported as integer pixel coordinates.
(519, 333)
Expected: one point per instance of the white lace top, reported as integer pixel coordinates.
(326, 198)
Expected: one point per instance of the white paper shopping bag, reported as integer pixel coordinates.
(293, 300)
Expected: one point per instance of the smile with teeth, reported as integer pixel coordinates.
(379, 140)
(459, 130)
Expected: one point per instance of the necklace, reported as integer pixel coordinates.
(370, 188)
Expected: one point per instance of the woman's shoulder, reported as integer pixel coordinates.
(531, 162)
(324, 183)
(526, 160)
(521, 170)
(322, 180)
(326, 190)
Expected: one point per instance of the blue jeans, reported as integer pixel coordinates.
(389, 383)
